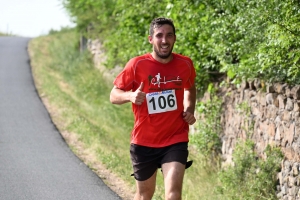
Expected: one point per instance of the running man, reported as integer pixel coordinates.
(163, 112)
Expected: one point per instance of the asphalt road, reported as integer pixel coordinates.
(35, 161)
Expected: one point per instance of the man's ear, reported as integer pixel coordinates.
(150, 39)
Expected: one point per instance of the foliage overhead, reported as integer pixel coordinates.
(241, 38)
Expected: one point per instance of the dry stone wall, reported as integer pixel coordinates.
(99, 57)
(269, 115)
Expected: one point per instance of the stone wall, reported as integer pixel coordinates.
(267, 117)
(109, 73)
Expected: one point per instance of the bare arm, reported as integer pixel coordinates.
(118, 96)
(189, 103)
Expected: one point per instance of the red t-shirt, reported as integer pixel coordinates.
(158, 122)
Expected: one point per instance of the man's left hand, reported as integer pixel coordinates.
(189, 118)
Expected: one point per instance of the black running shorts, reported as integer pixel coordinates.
(146, 160)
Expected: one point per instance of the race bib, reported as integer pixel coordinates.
(159, 102)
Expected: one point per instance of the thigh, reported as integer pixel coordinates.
(173, 168)
(173, 173)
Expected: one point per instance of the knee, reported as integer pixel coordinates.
(174, 195)
(146, 195)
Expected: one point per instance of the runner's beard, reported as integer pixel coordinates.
(163, 56)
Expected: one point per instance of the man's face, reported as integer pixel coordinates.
(163, 40)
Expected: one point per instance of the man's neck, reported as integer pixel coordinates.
(162, 60)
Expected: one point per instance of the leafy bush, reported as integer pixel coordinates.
(250, 177)
(206, 139)
(245, 39)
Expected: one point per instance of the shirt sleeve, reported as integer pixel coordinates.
(191, 80)
(125, 78)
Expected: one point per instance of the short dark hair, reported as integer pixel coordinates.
(158, 22)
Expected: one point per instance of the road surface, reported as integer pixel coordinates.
(35, 161)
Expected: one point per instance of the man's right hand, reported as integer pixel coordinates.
(137, 97)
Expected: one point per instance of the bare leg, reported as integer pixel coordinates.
(145, 189)
(173, 177)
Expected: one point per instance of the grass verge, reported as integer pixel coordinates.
(70, 83)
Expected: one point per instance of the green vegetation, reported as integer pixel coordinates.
(80, 96)
(241, 38)
(71, 83)
(207, 137)
(251, 177)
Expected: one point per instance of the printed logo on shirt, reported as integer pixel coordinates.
(158, 82)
